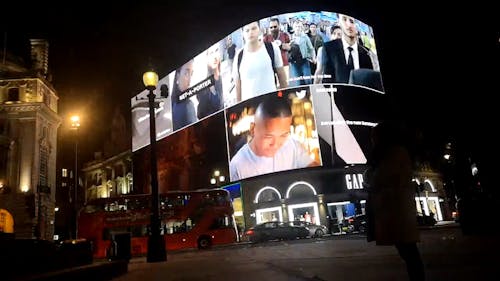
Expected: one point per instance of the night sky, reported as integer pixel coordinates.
(439, 64)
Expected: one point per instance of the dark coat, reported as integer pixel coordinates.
(336, 64)
(391, 201)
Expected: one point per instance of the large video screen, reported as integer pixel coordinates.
(289, 91)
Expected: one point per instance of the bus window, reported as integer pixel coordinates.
(136, 204)
(189, 224)
(175, 227)
(173, 202)
(222, 222)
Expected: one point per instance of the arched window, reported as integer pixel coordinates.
(429, 186)
(300, 189)
(267, 194)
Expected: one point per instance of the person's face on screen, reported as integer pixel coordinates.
(274, 28)
(251, 32)
(185, 76)
(336, 34)
(313, 29)
(213, 56)
(298, 28)
(268, 135)
(348, 26)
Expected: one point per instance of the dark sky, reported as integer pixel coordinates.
(439, 64)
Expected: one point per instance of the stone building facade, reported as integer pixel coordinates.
(28, 145)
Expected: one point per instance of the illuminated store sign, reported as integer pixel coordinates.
(354, 181)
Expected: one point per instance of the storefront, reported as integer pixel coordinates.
(307, 195)
(329, 197)
(429, 199)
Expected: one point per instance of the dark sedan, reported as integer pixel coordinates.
(275, 230)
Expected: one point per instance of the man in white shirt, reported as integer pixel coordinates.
(271, 148)
(253, 69)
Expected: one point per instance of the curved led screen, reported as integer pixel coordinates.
(285, 92)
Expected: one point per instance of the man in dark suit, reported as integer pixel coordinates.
(340, 56)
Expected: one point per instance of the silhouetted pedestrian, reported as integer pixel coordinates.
(391, 206)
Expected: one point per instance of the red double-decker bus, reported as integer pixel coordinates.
(190, 219)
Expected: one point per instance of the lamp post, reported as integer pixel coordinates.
(75, 125)
(156, 242)
(217, 178)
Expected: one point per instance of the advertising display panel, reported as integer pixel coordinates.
(290, 91)
(272, 133)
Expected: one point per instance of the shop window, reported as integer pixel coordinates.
(305, 214)
(269, 215)
(339, 211)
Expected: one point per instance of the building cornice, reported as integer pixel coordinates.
(96, 164)
(36, 78)
(31, 107)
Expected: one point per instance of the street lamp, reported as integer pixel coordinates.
(217, 178)
(156, 242)
(75, 125)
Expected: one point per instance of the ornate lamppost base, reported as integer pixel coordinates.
(156, 249)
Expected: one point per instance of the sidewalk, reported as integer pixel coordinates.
(441, 224)
(447, 255)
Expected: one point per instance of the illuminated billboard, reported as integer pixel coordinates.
(315, 75)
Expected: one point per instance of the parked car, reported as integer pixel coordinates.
(356, 223)
(314, 229)
(275, 230)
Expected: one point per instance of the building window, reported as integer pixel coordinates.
(130, 180)
(43, 165)
(64, 173)
(13, 94)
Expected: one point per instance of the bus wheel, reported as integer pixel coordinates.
(204, 242)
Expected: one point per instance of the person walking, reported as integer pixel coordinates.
(391, 206)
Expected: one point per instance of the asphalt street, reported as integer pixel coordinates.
(447, 255)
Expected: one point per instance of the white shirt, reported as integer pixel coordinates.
(245, 163)
(256, 72)
(354, 52)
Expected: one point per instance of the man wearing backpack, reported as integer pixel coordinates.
(300, 56)
(255, 65)
(281, 39)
